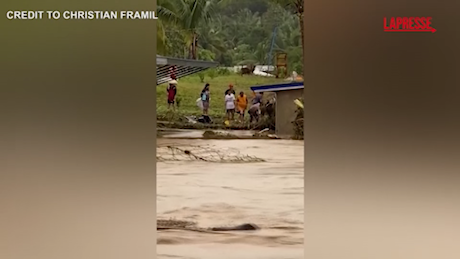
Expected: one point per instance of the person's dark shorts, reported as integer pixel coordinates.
(253, 111)
(170, 101)
(230, 110)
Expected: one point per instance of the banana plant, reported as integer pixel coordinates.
(299, 103)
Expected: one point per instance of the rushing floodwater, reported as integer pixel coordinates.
(268, 194)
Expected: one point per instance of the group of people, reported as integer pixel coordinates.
(239, 104)
(234, 104)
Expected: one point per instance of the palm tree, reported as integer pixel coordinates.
(187, 15)
(212, 37)
(161, 38)
(297, 7)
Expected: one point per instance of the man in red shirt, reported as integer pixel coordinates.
(171, 92)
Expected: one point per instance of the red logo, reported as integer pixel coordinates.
(408, 24)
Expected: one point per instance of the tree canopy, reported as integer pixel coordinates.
(231, 31)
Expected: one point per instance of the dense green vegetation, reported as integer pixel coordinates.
(231, 32)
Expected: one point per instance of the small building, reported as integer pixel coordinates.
(285, 108)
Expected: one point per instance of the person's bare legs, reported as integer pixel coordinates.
(206, 108)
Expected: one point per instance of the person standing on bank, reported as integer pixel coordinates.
(258, 97)
(230, 90)
(241, 105)
(230, 105)
(254, 110)
(205, 95)
(171, 91)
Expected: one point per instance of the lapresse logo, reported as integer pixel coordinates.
(408, 24)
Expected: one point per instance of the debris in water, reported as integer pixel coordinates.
(247, 226)
(263, 131)
(205, 154)
(266, 134)
(218, 135)
(163, 224)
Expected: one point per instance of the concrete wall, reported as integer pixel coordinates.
(286, 111)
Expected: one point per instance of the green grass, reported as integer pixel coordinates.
(189, 89)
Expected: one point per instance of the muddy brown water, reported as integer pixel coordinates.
(268, 194)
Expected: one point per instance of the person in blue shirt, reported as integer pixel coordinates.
(205, 94)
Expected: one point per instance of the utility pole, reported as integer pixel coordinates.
(270, 53)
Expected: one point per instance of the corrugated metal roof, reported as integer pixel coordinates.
(174, 68)
(278, 87)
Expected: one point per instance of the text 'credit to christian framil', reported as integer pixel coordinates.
(80, 15)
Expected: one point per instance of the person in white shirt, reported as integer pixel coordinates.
(230, 105)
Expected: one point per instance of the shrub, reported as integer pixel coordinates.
(201, 75)
(212, 73)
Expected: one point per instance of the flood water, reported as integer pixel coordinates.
(268, 194)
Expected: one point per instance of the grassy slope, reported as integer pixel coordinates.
(189, 88)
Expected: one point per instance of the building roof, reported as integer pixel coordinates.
(278, 87)
(179, 67)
